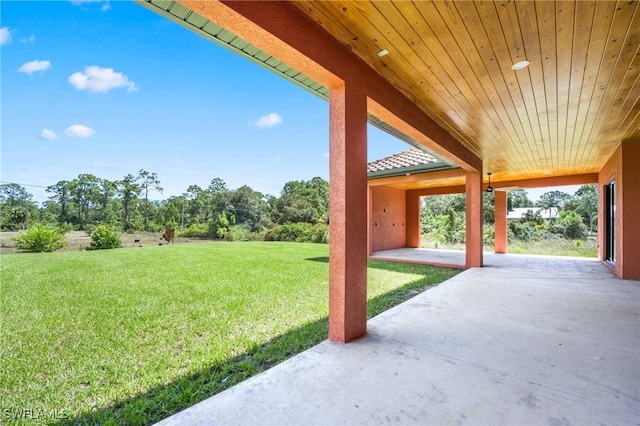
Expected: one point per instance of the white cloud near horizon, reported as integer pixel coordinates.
(35, 66)
(48, 134)
(5, 35)
(79, 131)
(268, 120)
(100, 80)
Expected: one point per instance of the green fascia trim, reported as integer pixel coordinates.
(200, 25)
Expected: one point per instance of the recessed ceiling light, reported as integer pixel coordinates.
(543, 159)
(520, 65)
(383, 53)
(539, 142)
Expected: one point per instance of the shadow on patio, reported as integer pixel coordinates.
(526, 340)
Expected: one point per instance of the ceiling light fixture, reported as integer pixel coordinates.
(489, 188)
(383, 53)
(520, 65)
(539, 142)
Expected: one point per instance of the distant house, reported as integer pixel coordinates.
(519, 212)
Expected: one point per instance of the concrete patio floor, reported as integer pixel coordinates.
(526, 340)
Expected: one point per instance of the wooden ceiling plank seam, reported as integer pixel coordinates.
(564, 49)
(325, 15)
(528, 21)
(495, 32)
(624, 92)
(634, 123)
(394, 38)
(459, 58)
(434, 107)
(504, 108)
(613, 131)
(606, 138)
(547, 31)
(478, 33)
(508, 15)
(519, 80)
(597, 44)
(633, 99)
(583, 26)
(482, 83)
(620, 23)
(615, 128)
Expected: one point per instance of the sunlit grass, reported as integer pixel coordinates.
(130, 336)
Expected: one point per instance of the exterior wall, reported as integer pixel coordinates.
(388, 218)
(623, 168)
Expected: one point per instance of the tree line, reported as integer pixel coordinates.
(215, 211)
(572, 217)
(300, 213)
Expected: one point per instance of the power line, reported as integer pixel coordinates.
(24, 184)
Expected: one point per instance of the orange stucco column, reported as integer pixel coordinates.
(500, 198)
(348, 213)
(474, 220)
(413, 219)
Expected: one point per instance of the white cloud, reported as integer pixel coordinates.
(100, 80)
(31, 39)
(5, 35)
(48, 134)
(34, 66)
(325, 155)
(268, 120)
(79, 131)
(104, 7)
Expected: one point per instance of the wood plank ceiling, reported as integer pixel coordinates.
(564, 114)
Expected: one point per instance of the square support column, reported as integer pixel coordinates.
(348, 214)
(500, 221)
(413, 219)
(474, 220)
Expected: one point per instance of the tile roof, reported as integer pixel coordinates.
(410, 158)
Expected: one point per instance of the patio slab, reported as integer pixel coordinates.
(448, 258)
(524, 340)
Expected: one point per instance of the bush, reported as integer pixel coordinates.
(196, 230)
(104, 238)
(574, 228)
(236, 233)
(40, 238)
(299, 232)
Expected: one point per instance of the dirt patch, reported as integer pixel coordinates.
(80, 240)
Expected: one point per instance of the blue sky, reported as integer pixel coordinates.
(109, 88)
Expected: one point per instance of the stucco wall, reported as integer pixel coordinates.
(388, 215)
(623, 168)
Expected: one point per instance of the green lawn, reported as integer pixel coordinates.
(130, 336)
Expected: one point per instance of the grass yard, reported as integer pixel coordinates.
(131, 336)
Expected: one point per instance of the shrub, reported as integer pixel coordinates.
(574, 228)
(236, 233)
(104, 238)
(196, 230)
(40, 238)
(299, 232)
